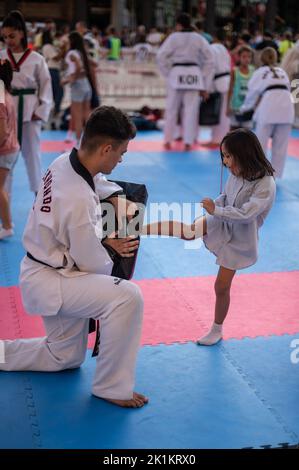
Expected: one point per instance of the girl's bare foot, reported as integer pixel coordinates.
(138, 401)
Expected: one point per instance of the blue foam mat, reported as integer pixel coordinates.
(199, 398)
(182, 178)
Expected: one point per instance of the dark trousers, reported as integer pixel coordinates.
(57, 89)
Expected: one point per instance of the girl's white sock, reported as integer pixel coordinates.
(212, 337)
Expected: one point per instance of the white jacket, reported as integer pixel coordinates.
(64, 230)
(34, 73)
(232, 231)
(275, 106)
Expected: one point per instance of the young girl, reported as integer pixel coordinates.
(269, 94)
(230, 227)
(9, 147)
(32, 89)
(79, 75)
(240, 76)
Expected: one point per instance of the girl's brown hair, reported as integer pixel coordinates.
(269, 57)
(6, 74)
(244, 146)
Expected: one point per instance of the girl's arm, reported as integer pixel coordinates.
(3, 130)
(230, 92)
(260, 201)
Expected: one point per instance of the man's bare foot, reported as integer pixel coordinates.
(187, 147)
(138, 401)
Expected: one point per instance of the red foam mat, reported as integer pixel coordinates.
(60, 146)
(181, 309)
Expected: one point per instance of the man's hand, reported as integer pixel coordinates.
(204, 94)
(125, 247)
(208, 205)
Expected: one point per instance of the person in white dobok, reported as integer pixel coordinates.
(186, 61)
(66, 274)
(32, 91)
(269, 94)
(220, 84)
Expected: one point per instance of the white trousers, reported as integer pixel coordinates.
(30, 149)
(280, 134)
(219, 131)
(189, 101)
(118, 304)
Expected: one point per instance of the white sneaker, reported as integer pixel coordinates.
(213, 336)
(6, 232)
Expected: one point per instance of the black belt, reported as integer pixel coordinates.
(30, 256)
(276, 87)
(186, 64)
(219, 75)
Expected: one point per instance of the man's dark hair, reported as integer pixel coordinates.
(107, 122)
(184, 19)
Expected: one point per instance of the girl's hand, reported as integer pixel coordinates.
(125, 247)
(208, 205)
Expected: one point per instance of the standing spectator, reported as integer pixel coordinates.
(142, 50)
(113, 45)
(290, 64)
(186, 61)
(32, 91)
(9, 146)
(53, 58)
(220, 84)
(269, 93)
(240, 77)
(285, 44)
(78, 74)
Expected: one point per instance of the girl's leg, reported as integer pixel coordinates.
(86, 110)
(173, 228)
(77, 118)
(222, 290)
(4, 204)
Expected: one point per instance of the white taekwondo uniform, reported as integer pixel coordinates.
(32, 78)
(64, 231)
(186, 61)
(274, 114)
(220, 83)
(232, 231)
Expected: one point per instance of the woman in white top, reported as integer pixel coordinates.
(269, 93)
(32, 91)
(79, 76)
